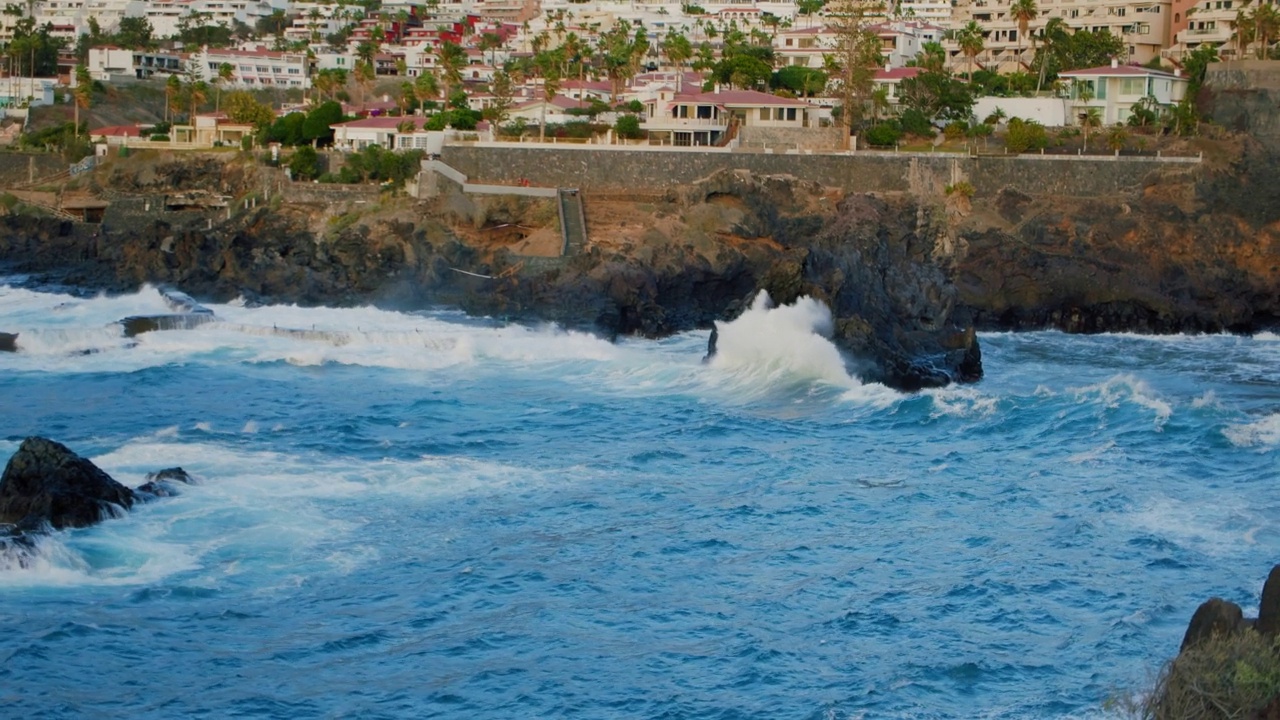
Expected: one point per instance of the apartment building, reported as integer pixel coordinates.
(1143, 25)
(1204, 22)
(254, 68)
(110, 63)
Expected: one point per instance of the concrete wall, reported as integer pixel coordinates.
(623, 170)
(1245, 94)
(325, 194)
(824, 139)
(15, 167)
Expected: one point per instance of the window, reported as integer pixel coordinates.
(1133, 86)
(764, 113)
(791, 114)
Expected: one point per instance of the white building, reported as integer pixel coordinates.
(1114, 90)
(253, 68)
(20, 91)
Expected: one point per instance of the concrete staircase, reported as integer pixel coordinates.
(573, 221)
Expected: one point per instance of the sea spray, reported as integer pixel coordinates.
(788, 343)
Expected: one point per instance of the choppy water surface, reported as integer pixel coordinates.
(422, 515)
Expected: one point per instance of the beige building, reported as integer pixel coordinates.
(1144, 26)
(1204, 22)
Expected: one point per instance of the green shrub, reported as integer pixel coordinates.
(1232, 676)
(916, 123)
(628, 126)
(883, 135)
(1023, 135)
(305, 163)
(159, 138)
(963, 188)
(956, 130)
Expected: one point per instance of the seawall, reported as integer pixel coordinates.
(626, 169)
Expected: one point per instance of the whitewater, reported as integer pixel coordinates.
(409, 515)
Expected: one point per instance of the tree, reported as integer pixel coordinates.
(800, 80)
(244, 109)
(226, 73)
(197, 94)
(364, 77)
(501, 89)
(172, 98)
(970, 40)
(1089, 116)
(452, 59)
(1117, 138)
(1194, 66)
(628, 126)
(856, 55)
(425, 88)
(1266, 25)
(1023, 12)
(317, 127)
(490, 42)
(134, 32)
(550, 87)
(83, 93)
(677, 49)
(304, 164)
(937, 95)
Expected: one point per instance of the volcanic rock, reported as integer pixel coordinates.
(45, 483)
(1214, 617)
(162, 483)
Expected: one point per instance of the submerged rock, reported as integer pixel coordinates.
(162, 483)
(45, 483)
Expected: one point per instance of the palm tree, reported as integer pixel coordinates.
(425, 88)
(197, 93)
(971, 43)
(1090, 116)
(83, 93)
(452, 59)
(1243, 27)
(490, 42)
(1266, 24)
(1023, 11)
(1052, 30)
(550, 87)
(172, 97)
(226, 73)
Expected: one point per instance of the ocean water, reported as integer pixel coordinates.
(425, 515)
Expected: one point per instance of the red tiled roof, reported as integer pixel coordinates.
(896, 73)
(117, 131)
(739, 97)
(384, 123)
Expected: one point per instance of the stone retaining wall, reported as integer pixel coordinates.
(621, 170)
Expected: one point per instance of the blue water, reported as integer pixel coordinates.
(430, 516)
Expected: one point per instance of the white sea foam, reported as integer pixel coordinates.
(253, 512)
(1127, 388)
(1263, 434)
(769, 347)
(959, 401)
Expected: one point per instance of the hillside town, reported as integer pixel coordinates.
(804, 75)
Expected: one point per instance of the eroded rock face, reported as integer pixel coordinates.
(46, 483)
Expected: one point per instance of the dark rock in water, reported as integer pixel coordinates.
(1269, 608)
(139, 324)
(711, 344)
(46, 483)
(1214, 617)
(161, 484)
(174, 473)
(8, 342)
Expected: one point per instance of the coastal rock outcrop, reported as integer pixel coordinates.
(45, 483)
(164, 483)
